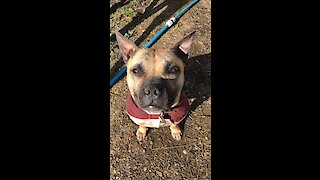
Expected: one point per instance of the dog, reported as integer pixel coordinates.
(155, 78)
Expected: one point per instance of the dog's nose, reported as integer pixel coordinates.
(152, 92)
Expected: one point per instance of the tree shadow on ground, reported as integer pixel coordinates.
(171, 8)
(197, 81)
(117, 5)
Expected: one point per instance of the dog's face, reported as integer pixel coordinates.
(155, 76)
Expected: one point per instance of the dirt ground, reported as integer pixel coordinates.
(159, 156)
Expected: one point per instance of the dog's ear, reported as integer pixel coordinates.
(127, 47)
(184, 45)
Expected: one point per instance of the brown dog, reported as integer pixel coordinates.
(155, 77)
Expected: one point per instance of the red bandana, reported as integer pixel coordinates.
(176, 115)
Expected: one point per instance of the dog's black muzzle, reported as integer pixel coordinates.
(153, 96)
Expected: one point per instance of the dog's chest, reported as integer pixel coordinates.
(153, 122)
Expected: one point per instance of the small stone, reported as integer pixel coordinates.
(185, 152)
(159, 173)
(143, 150)
(145, 169)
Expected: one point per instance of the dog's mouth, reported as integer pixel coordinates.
(152, 109)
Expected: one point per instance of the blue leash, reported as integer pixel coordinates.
(155, 38)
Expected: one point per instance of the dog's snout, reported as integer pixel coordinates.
(146, 92)
(153, 95)
(152, 92)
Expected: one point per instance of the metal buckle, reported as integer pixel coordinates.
(161, 117)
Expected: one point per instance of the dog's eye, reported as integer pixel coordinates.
(135, 71)
(174, 70)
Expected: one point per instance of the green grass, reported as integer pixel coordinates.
(176, 26)
(130, 34)
(130, 13)
(123, 11)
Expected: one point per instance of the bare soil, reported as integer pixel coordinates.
(159, 156)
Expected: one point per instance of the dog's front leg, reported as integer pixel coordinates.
(141, 133)
(175, 132)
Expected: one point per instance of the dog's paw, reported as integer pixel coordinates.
(176, 134)
(140, 135)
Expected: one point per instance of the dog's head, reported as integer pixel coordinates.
(155, 76)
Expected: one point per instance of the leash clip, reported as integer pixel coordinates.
(171, 21)
(161, 117)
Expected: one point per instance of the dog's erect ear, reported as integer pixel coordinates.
(127, 47)
(185, 44)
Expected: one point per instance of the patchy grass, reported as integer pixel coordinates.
(123, 12)
(130, 33)
(176, 26)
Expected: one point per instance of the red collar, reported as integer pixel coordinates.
(176, 114)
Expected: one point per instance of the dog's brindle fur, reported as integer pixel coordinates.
(155, 77)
